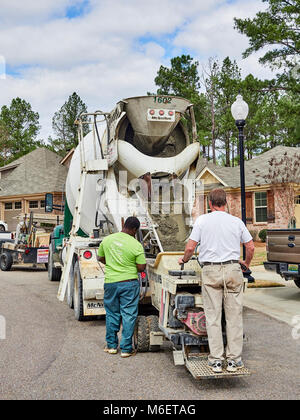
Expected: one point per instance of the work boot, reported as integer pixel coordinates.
(216, 366)
(110, 351)
(126, 354)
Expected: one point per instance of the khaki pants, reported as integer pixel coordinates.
(223, 284)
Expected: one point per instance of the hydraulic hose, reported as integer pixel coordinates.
(140, 239)
(98, 137)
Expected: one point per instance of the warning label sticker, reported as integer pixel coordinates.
(42, 255)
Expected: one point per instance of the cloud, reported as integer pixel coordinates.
(213, 33)
(98, 35)
(105, 50)
(32, 11)
(100, 86)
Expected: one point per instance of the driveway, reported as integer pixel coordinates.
(282, 303)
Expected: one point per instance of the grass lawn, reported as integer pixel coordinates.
(260, 254)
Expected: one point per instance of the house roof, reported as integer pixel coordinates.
(7, 167)
(255, 169)
(37, 172)
(67, 157)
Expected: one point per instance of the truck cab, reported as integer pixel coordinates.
(3, 226)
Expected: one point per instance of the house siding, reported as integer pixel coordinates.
(281, 220)
(12, 217)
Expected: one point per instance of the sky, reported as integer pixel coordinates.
(107, 50)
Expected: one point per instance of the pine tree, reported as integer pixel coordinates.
(19, 127)
(64, 127)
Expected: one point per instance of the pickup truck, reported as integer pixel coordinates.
(3, 226)
(6, 236)
(283, 253)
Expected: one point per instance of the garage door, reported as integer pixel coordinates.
(297, 210)
(297, 215)
(9, 218)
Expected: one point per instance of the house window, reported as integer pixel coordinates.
(261, 211)
(297, 199)
(8, 206)
(33, 204)
(208, 210)
(18, 205)
(42, 204)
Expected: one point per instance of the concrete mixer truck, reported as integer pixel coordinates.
(141, 159)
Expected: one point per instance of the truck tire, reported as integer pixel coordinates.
(142, 334)
(77, 295)
(2, 228)
(54, 273)
(6, 261)
(70, 288)
(297, 282)
(153, 326)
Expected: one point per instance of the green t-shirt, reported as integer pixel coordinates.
(122, 252)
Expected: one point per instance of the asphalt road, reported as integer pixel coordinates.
(49, 355)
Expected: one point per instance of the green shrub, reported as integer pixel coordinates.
(48, 225)
(263, 235)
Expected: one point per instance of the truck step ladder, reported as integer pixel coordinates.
(71, 243)
(93, 166)
(148, 226)
(152, 235)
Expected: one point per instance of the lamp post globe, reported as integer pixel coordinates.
(239, 109)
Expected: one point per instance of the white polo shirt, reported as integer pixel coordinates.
(220, 236)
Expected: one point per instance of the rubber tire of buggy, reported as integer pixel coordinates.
(54, 273)
(70, 287)
(78, 297)
(6, 261)
(153, 326)
(142, 334)
(297, 282)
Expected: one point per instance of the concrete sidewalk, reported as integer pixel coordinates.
(260, 273)
(281, 303)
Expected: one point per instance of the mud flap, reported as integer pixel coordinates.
(178, 358)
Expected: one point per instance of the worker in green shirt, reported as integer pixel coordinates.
(123, 257)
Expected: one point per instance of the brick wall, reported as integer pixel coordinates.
(281, 214)
(234, 208)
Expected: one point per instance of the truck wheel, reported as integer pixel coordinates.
(142, 334)
(54, 273)
(6, 261)
(70, 288)
(2, 228)
(297, 282)
(77, 296)
(153, 326)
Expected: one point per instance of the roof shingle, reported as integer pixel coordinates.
(255, 169)
(37, 172)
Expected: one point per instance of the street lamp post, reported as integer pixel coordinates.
(239, 111)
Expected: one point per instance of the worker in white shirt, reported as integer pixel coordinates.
(220, 236)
